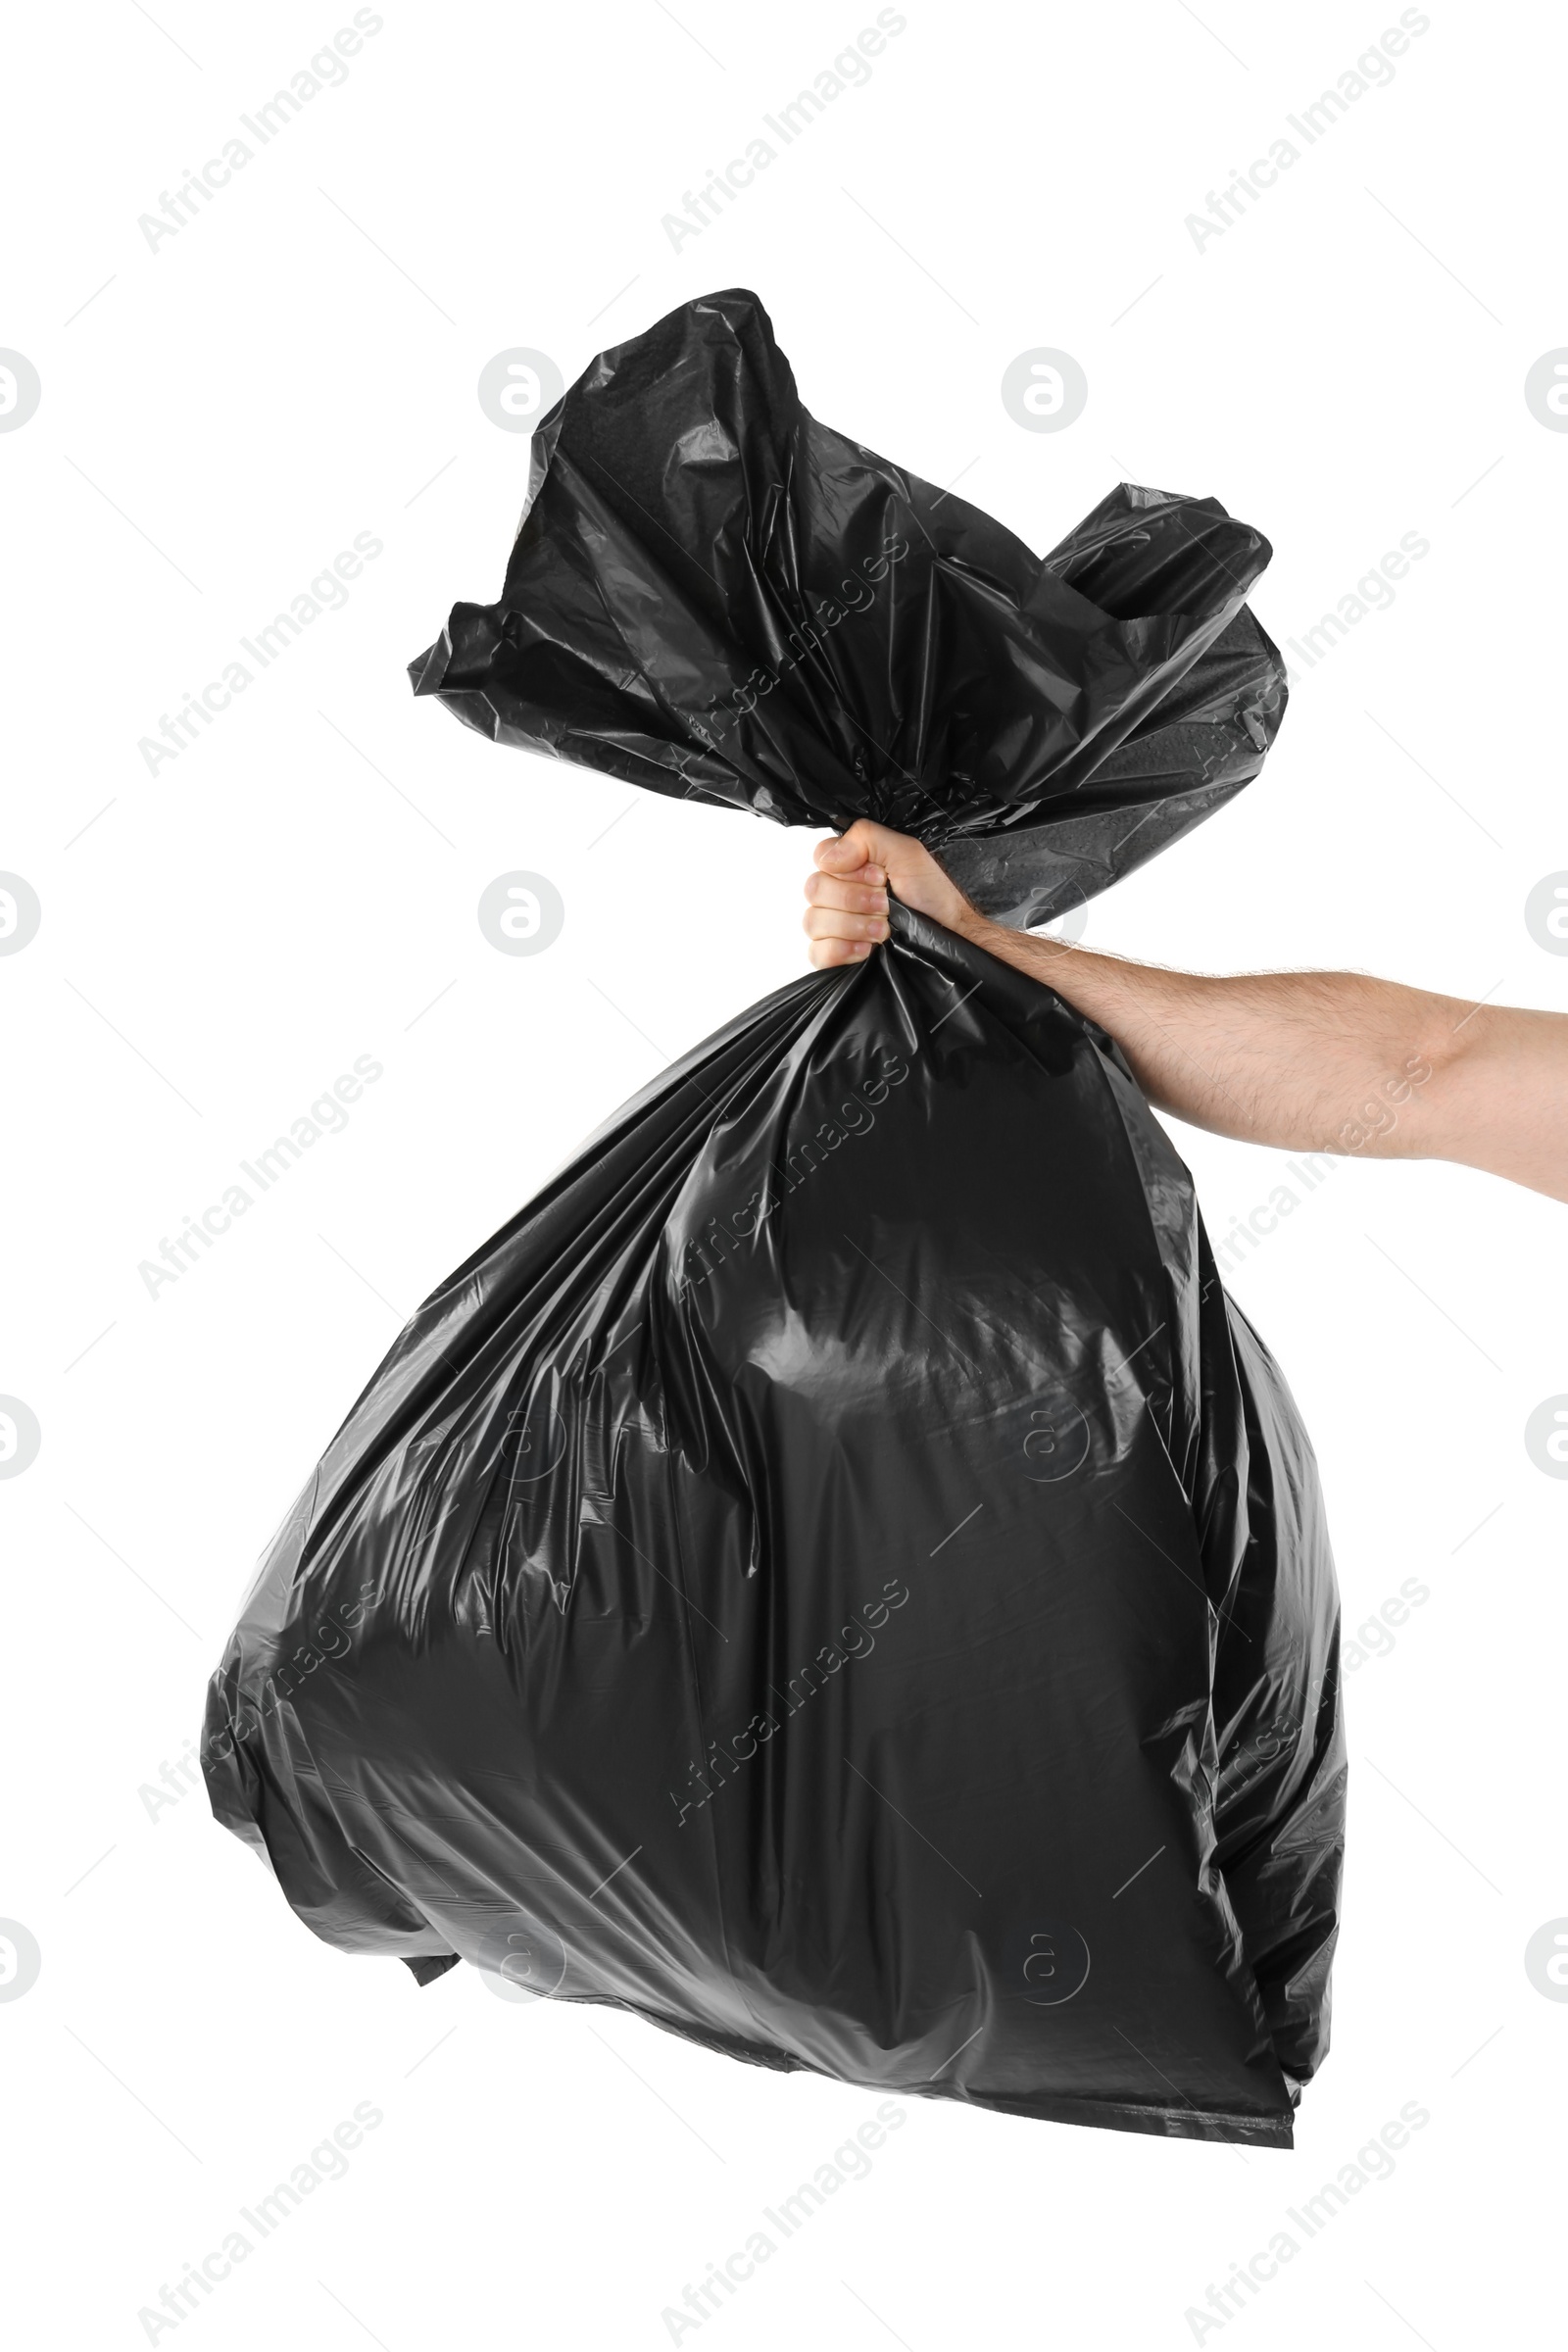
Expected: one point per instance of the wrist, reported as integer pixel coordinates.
(970, 925)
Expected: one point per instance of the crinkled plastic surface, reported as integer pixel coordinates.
(836, 1575)
(716, 596)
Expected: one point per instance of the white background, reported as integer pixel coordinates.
(220, 417)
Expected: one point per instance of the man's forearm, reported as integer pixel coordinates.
(1326, 1062)
(1314, 1061)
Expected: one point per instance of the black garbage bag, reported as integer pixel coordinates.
(836, 1575)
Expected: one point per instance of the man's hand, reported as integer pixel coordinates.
(848, 912)
(1315, 1061)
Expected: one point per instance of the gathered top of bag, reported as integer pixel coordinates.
(712, 595)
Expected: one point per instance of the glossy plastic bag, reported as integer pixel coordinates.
(836, 1575)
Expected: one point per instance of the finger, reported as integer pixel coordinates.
(842, 855)
(832, 922)
(852, 894)
(826, 953)
(861, 844)
(860, 877)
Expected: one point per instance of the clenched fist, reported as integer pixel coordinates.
(848, 914)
